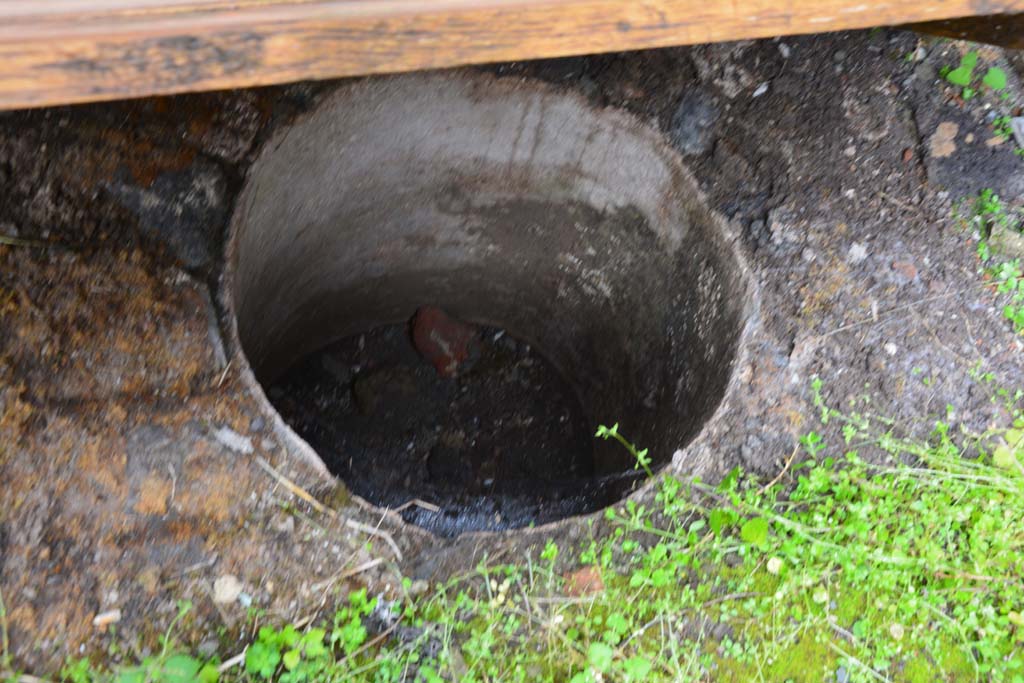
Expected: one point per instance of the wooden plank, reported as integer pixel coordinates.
(63, 51)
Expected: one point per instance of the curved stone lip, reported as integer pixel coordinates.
(306, 457)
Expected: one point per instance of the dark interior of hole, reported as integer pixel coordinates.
(502, 441)
(575, 230)
(630, 329)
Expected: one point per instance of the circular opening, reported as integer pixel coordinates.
(445, 284)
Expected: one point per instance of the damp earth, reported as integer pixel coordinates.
(458, 426)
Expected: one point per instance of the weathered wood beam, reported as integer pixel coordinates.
(64, 51)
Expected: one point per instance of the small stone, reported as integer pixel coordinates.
(381, 390)
(785, 50)
(149, 579)
(444, 341)
(692, 127)
(906, 269)
(234, 441)
(1007, 241)
(1017, 126)
(969, 138)
(858, 252)
(585, 581)
(761, 89)
(838, 56)
(104, 619)
(226, 589)
(208, 648)
(908, 155)
(850, 151)
(942, 142)
(774, 565)
(890, 348)
(285, 525)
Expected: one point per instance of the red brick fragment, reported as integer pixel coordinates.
(444, 341)
(585, 581)
(906, 269)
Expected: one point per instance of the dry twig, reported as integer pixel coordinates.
(295, 489)
(234, 661)
(429, 507)
(780, 475)
(347, 574)
(300, 492)
(9, 241)
(378, 532)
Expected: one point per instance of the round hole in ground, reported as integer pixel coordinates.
(444, 284)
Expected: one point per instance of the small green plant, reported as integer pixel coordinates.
(995, 79)
(986, 214)
(887, 557)
(1010, 281)
(170, 665)
(1003, 128)
(963, 76)
(289, 656)
(640, 456)
(5, 645)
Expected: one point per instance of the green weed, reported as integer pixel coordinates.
(640, 456)
(5, 647)
(987, 214)
(963, 76)
(893, 558)
(1001, 127)
(170, 665)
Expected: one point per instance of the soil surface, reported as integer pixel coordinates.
(135, 466)
(500, 443)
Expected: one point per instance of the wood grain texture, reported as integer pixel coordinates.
(64, 51)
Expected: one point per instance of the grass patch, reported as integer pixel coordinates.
(882, 557)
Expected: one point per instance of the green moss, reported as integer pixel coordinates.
(810, 660)
(943, 662)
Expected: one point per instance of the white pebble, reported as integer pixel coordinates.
(858, 252)
(104, 619)
(226, 589)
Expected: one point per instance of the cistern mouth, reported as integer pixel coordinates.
(444, 284)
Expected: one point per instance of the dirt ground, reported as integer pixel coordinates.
(130, 452)
(500, 442)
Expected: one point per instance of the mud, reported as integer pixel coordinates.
(503, 444)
